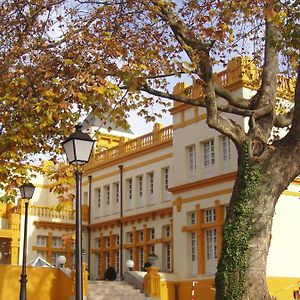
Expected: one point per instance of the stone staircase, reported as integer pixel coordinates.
(113, 290)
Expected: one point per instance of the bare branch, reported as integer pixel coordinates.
(284, 120)
(178, 27)
(231, 98)
(295, 129)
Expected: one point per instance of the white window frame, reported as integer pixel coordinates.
(98, 197)
(209, 153)
(150, 187)
(141, 258)
(192, 218)
(193, 236)
(152, 233)
(107, 194)
(191, 160)
(57, 242)
(168, 256)
(129, 187)
(116, 189)
(41, 240)
(226, 149)
(210, 215)
(140, 190)
(141, 236)
(211, 243)
(167, 231)
(166, 183)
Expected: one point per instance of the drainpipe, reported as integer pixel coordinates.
(121, 223)
(89, 224)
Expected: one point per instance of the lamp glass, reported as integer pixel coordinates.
(78, 147)
(27, 190)
(61, 260)
(129, 263)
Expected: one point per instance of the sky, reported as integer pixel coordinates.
(139, 126)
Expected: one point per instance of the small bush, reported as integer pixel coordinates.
(110, 274)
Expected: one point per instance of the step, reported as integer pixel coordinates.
(113, 290)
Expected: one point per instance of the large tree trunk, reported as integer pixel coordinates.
(241, 271)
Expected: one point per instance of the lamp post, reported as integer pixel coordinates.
(78, 148)
(26, 190)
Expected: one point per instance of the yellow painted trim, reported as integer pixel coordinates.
(179, 201)
(291, 193)
(133, 218)
(132, 167)
(158, 139)
(203, 183)
(184, 123)
(55, 225)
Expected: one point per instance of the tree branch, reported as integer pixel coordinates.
(295, 129)
(231, 98)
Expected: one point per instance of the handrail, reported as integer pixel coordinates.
(134, 145)
(135, 280)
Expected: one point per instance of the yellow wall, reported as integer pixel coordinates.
(42, 284)
(183, 290)
(282, 288)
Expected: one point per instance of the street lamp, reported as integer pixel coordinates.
(61, 260)
(78, 148)
(26, 190)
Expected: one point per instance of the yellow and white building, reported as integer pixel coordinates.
(165, 193)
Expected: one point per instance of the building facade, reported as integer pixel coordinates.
(164, 193)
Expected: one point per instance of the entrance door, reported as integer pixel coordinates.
(5, 250)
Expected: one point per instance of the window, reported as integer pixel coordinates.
(98, 264)
(117, 239)
(166, 175)
(168, 257)
(152, 233)
(194, 246)
(41, 240)
(107, 194)
(165, 183)
(151, 183)
(107, 242)
(226, 149)
(211, 244)
(140, 186)
(191, 154)
(209, 153)
(167, 231)
(107, 259)
(192, 218)
(226, 208)
(116, 192)
(57, 242)
(55, 255)
(131, 254)
(210, 215)
(152, 249)
(98, 243)
(139, 181)
(141, 235)
(129, 193)
(130, 237)
(98, 197)
(141, 257)
(118, 261)
(150, 186)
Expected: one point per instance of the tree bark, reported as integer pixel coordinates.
(241, 273)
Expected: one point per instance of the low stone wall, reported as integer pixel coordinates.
(42, 283)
